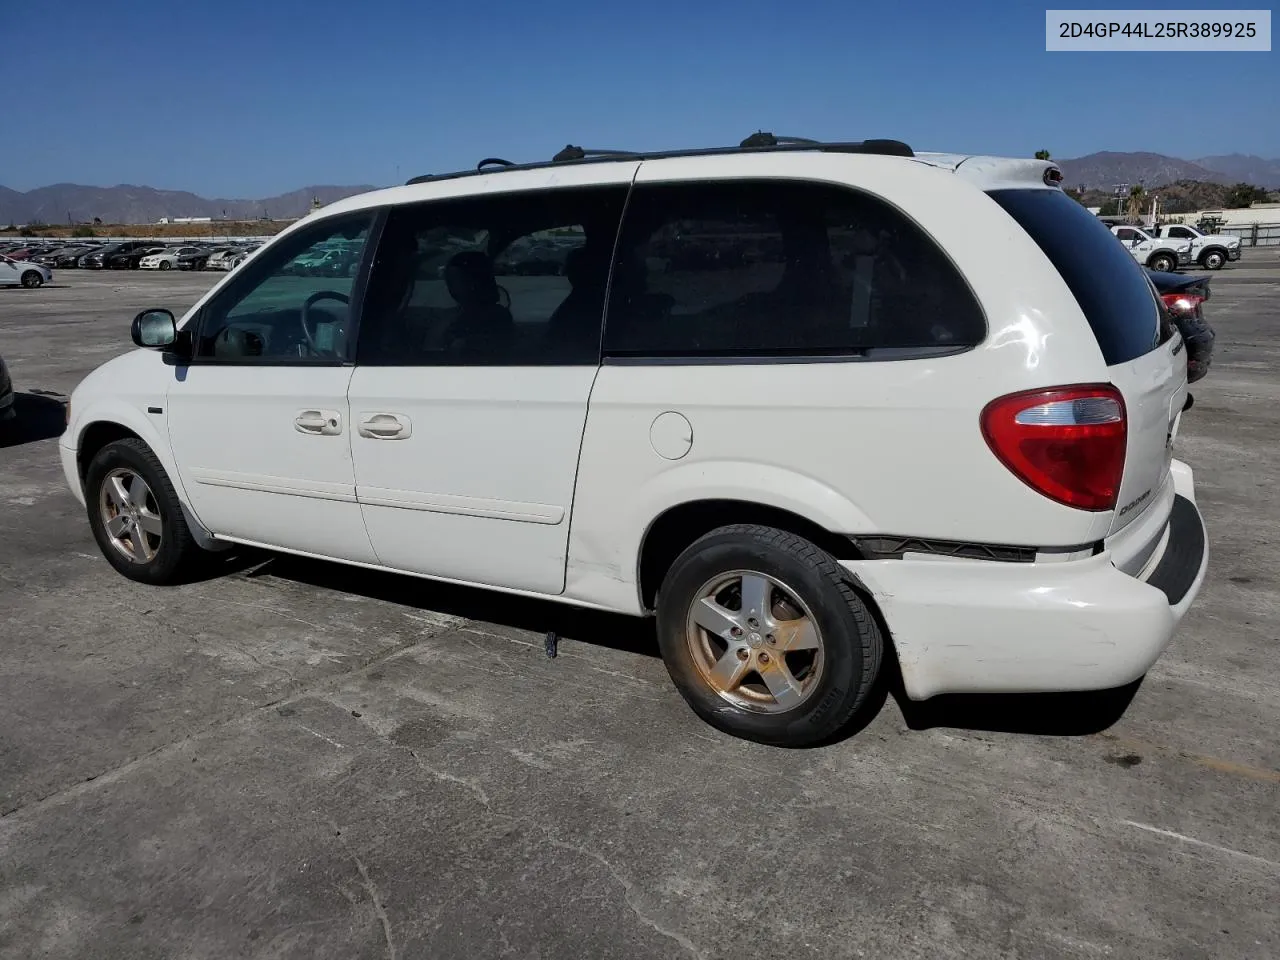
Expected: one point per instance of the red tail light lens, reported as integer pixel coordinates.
(1067, 443)
(1182, 304)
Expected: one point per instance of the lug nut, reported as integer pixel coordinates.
(736, 632)
(771, 639)
(742, 654)
(753, 623)
(764, 658)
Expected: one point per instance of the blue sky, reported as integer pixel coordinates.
(248, 99)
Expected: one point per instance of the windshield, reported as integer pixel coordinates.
(1110, 286)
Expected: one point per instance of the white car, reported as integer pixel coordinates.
(23, 273)
(1210, 250)
(849, 402)
(1159, 253)
(166, 259)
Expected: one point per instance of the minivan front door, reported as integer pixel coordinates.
(258, 421)
(479, 345)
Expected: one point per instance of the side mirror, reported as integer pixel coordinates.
(154, 328)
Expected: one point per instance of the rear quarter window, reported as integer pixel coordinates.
(1109, 284)
(780, 269)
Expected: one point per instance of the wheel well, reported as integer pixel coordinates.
(1213, 249)
(675, 530)
(95, 437)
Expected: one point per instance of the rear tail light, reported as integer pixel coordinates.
(1182, 304)
(1067, 443)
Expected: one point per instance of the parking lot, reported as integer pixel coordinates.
(294, 759)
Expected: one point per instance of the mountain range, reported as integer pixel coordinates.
(1102, 171)
(62, 202)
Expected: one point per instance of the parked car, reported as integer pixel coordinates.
(193, 259)
(97, 259)
(167, 258)
(1160, 254)
(130, 258)
(218, 255)
(7, 411)
(1210, 250)
(25, 273)
(70, 257)
(50, 257)
(1184, 298)
(937, 417)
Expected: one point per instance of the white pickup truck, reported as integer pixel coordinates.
(1158, 253)
(1210, 250)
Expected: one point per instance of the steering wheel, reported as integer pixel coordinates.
(306, 309)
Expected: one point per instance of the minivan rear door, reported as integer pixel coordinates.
(1145, 357)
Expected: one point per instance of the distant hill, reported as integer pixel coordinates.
(1102, 171)
(1246, 169)
(134, 204)
(1183, 196)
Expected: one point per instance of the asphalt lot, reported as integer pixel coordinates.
(303, 760)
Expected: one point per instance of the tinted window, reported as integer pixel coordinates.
(779, 269)
(1110, 286)
(293, 302)
(513, 279)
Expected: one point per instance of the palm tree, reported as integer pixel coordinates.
(1137, 200)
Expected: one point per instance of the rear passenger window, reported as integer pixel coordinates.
(511, 279)
(779, 269)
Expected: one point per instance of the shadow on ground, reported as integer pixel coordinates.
(37, 417)
(1040, 714)
(1052, 714)
(629, 634)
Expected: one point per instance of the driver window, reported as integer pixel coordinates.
(292, 302)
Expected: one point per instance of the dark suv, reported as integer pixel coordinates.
(99, 258)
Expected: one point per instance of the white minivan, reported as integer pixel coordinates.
(809, 404)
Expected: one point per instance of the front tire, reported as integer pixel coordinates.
(1162, 263)
(765, 638)
(136, 516)
(31, 279)
(1213, 260)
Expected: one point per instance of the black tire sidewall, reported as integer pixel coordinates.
(34, 283)
(823, 713)
(175, 539)
(1212, 255)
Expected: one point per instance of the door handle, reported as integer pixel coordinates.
(319, 423)
(385, 426)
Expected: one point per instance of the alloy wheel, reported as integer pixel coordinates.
(755, 642)
(130, 515)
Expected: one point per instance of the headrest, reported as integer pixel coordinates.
(587, 266)
(469, 279)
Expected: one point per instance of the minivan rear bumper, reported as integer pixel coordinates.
(975, 626)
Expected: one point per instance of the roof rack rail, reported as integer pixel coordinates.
(759, 142)
(762, 139)
(570, 152)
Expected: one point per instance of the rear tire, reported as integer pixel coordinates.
(1213, 260)
(136, 516)
(792, 662)
(164, 265)
(1162, 263)
(31, 279)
